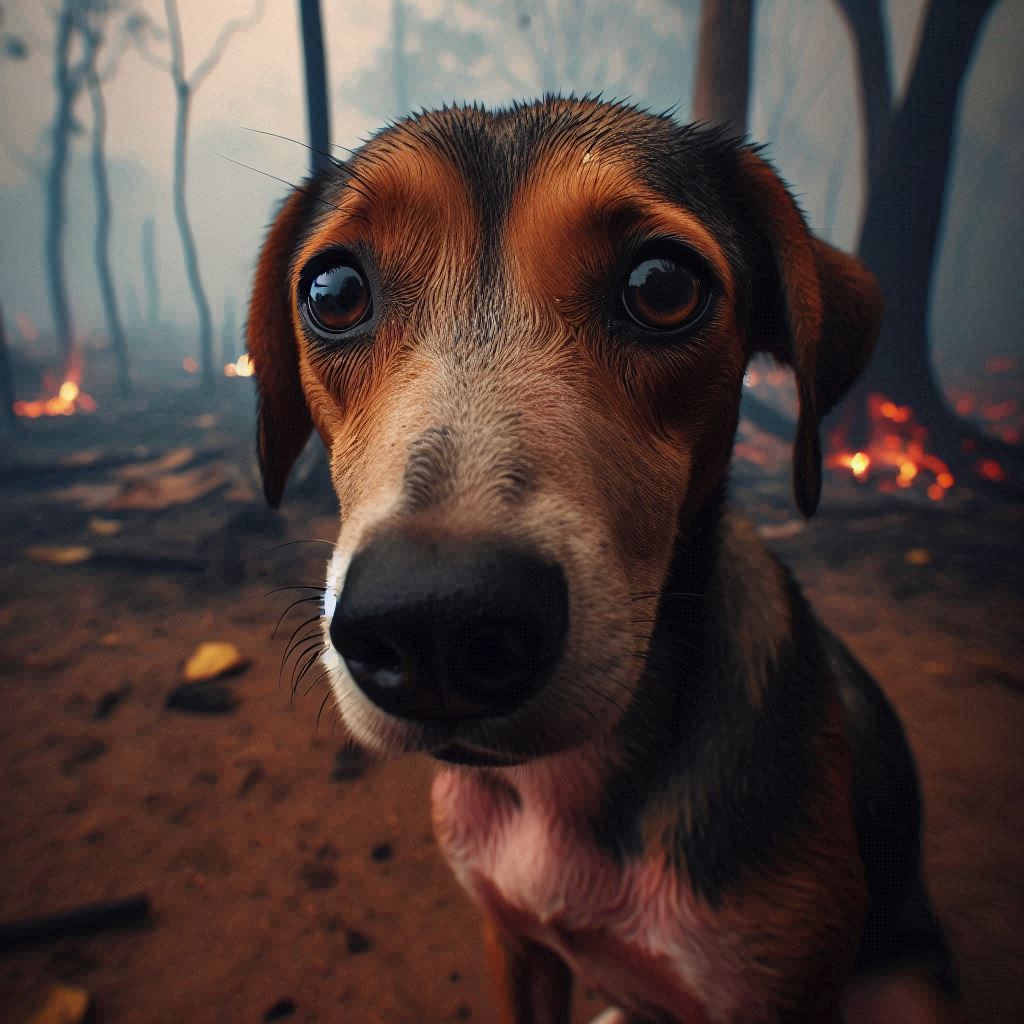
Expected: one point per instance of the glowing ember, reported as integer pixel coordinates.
(241, 368)
(70, 398)
(896, 456)
(1000, 364)
(991, 470)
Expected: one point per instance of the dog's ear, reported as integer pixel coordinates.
(818, 310)
(284, 423)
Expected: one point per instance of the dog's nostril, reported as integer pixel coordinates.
(371, 658)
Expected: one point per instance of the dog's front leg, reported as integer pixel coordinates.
(534, 984)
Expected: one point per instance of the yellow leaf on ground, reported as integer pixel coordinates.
(65, 1004)
(55, 554)
(211, 660)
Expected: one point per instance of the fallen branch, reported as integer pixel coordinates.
(93, 917)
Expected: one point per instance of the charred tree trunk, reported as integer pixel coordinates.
(67, 84)
(188, 242)
(6, 379)
(318, 481)
(722, 89)
(185, 87)
(102, 186)
(183, 105)
(149, 273)
(721, 96)
(229, 337)
(871, 50)
(318, 115)
(900, 232)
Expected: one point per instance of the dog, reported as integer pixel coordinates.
(522, 337)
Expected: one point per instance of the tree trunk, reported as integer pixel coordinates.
(900, 233)
(723, 64)
(398, 56)
(188, 244)
(102, 186)
(149, 273)
(6, 379)
(871, 49)
(56, 186)
(230, 341)
(318, 114)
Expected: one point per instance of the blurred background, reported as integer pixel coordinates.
(151, 745)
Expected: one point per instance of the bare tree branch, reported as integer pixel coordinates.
(155, 59)
(215, 55)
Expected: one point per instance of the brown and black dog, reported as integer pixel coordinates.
(522, 337)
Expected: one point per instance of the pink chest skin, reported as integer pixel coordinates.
(636, 933)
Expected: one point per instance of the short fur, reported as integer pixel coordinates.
(711, 812)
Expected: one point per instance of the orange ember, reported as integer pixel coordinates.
(68, 400)
(991, 470)
(897, 456)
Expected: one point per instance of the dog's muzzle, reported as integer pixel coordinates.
(450, 629)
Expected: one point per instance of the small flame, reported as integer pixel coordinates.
(241, 368)
(858, 462)
(70, 398)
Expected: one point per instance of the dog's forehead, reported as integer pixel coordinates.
(488, 158)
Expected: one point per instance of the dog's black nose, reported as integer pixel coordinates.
(449, 629)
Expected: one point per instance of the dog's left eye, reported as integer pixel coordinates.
(664, 291)
(338, 299)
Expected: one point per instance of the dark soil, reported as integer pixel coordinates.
(292, 879)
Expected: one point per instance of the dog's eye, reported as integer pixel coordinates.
(665, 292)
(339, 299)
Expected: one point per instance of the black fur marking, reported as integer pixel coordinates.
(733, 777)
(901, 927)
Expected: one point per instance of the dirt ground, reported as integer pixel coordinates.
(279, 870)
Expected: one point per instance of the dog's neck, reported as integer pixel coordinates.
(721, 731)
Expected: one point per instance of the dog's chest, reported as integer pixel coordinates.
(635, 932)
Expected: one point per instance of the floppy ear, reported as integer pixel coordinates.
(284, 423)
(821, 316)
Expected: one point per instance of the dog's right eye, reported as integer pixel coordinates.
(338, 299)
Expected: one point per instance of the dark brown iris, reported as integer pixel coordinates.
(663, 294)
(339, 299)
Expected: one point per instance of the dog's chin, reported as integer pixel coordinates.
(467, 757)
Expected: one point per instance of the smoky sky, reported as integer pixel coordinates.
(803, 104)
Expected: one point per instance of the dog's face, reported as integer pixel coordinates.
(522, 338)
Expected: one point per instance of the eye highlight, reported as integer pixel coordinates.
(665, 290)
(338, 297)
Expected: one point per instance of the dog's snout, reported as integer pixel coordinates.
(445, 629)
